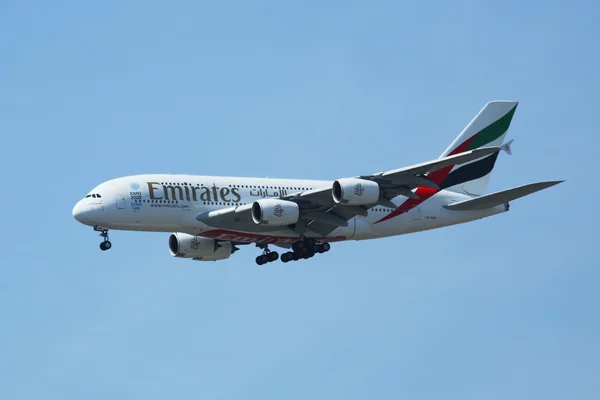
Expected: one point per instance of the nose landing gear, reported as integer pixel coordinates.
(105, 244)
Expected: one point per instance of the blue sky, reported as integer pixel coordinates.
(505, 307)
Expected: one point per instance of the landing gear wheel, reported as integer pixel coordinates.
(267, 256)
(323, 248)
(304, 253)
(297, 246)
(305, 249)
(107, 245)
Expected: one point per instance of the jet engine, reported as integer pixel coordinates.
(275, 212)
(199, 248)
(352, 191)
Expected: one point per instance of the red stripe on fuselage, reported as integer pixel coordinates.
(425, 193)
(243, 237)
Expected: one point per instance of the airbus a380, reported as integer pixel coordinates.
(211, 215)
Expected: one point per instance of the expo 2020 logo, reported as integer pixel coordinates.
(134, 186)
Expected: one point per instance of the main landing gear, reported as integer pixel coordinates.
(305, 249)
(106, 244)
(267, 256)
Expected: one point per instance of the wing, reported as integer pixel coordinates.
(321, 214)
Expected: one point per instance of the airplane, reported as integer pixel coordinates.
(212, 216)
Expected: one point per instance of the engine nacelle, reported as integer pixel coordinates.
(198, 248)
(275, 212)
(354, 191)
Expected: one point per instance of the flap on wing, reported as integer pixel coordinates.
(498, 198)
(326, 218)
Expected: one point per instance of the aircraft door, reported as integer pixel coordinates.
(120, 202)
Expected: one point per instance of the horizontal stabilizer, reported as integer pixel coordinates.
(495, 199)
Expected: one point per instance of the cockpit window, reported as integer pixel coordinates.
(98, 196)
(94, 196)
(89, 195)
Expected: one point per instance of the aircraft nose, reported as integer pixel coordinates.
(81, 213)
(77, 211)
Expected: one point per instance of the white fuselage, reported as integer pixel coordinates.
(171, 203)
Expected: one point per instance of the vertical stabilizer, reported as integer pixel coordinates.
(488, 128)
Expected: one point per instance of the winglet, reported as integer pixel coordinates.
(506, 147)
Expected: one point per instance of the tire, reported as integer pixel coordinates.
(103, 246)
(259, 260)
(326, 246)
(107, 245)
(273, 256)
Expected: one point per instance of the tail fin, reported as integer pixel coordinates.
(488, 128)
